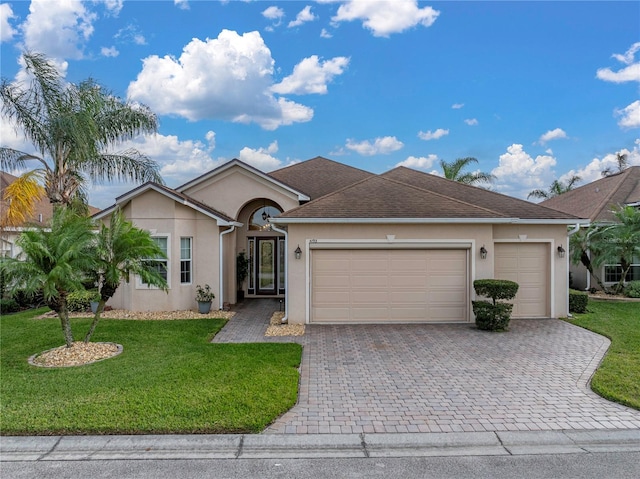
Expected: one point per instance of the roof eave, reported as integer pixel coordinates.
(535, 221)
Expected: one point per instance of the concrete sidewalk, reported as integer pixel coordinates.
(246, 446)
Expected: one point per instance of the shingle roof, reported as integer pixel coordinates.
(409, 194)
(319, 176)
(503, 204)
(42, 207)
(596, 199)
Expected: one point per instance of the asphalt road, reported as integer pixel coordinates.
(617, 465)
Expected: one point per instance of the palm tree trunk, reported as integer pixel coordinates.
(63, 314)
(94, 323)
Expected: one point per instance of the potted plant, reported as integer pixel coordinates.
(494, 315)
(242, 270)
(204, 296)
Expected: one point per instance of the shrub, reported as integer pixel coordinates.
(578, 301)
(9, 306)
(632, 289)
(80, 301)
(494, 316)
(496, 288)
(26, 300)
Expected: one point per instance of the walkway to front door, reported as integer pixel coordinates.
(440, 377)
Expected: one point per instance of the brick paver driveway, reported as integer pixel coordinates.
(441, 378)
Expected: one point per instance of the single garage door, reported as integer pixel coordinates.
(389, 285)
(528, 265)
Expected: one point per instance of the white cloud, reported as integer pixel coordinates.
(130, 34)
(432, 135)
(419, 162)
(6, 30)
(550, 135)
(311, 76)
(380, 146)
(471, 121)
(630, 115)
(226, 78)
(182, 4)
(109, 52)
(58, 29)
(113, 6)
(629, 73)
(385, 17)
(303, 16)
(518, 173)
(273, 13)
(457, 106)
(261, 158)
(325, 34)
(593, 170)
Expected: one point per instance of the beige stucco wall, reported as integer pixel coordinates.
(229, 191)
(477, 234)
(162, 216)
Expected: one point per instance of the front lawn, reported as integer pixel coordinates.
(618, 377)
(169, 379)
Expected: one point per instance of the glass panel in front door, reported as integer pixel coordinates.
(266, 266)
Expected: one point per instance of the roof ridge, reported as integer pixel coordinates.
(494, 193)
(445, 196)
(605, 201)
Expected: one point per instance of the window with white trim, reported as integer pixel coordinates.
(161, 265)
(613, 272)
(186, 262)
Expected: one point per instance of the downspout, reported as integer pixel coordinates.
(571, 233)
(220, 266)
(286, 271)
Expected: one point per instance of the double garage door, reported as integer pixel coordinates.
(369, 285)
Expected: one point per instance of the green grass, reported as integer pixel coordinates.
(169, 379)
(618, 377)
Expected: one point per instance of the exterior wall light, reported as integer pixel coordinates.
(483, 252)
(561, 251)
(298, 252)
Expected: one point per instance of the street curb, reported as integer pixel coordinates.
(238, 446)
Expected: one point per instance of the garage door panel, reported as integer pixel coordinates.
(528, 265)
(390, 285)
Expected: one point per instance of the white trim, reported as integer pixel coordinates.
(191, 262)
(221, 268)
(390, 243)
(286, 272)
(552, 259)
(285, 220)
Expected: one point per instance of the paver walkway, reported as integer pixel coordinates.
(440, 378)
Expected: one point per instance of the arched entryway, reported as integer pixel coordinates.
(264, 249)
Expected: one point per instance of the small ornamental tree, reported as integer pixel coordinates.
(494, 315)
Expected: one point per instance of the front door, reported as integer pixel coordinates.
(266, 266)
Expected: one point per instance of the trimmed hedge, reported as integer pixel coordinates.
(578, 301)
(496, 288)
(80, 301)
(9, 306)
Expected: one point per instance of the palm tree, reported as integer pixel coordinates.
(120, 250)
(72, 127)
(619, 243)
(556, 188)
(454, 171)
(621, 159)
(54, 261)
(19, 199)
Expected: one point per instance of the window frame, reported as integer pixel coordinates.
(188, 260)
(167, 261)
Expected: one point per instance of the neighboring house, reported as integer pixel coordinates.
(596, 201)
(41, 217)
(345, 245)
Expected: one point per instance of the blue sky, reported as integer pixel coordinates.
(536, 91)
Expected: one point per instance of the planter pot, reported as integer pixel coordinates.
(492, 317)
(204, 307)
(94, 306)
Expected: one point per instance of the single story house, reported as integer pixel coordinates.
(596, 201)
(345, 245)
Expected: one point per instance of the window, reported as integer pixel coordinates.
(259, 220)
(613, 272)
(185, 260)
(281, 271)
(161, 265)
